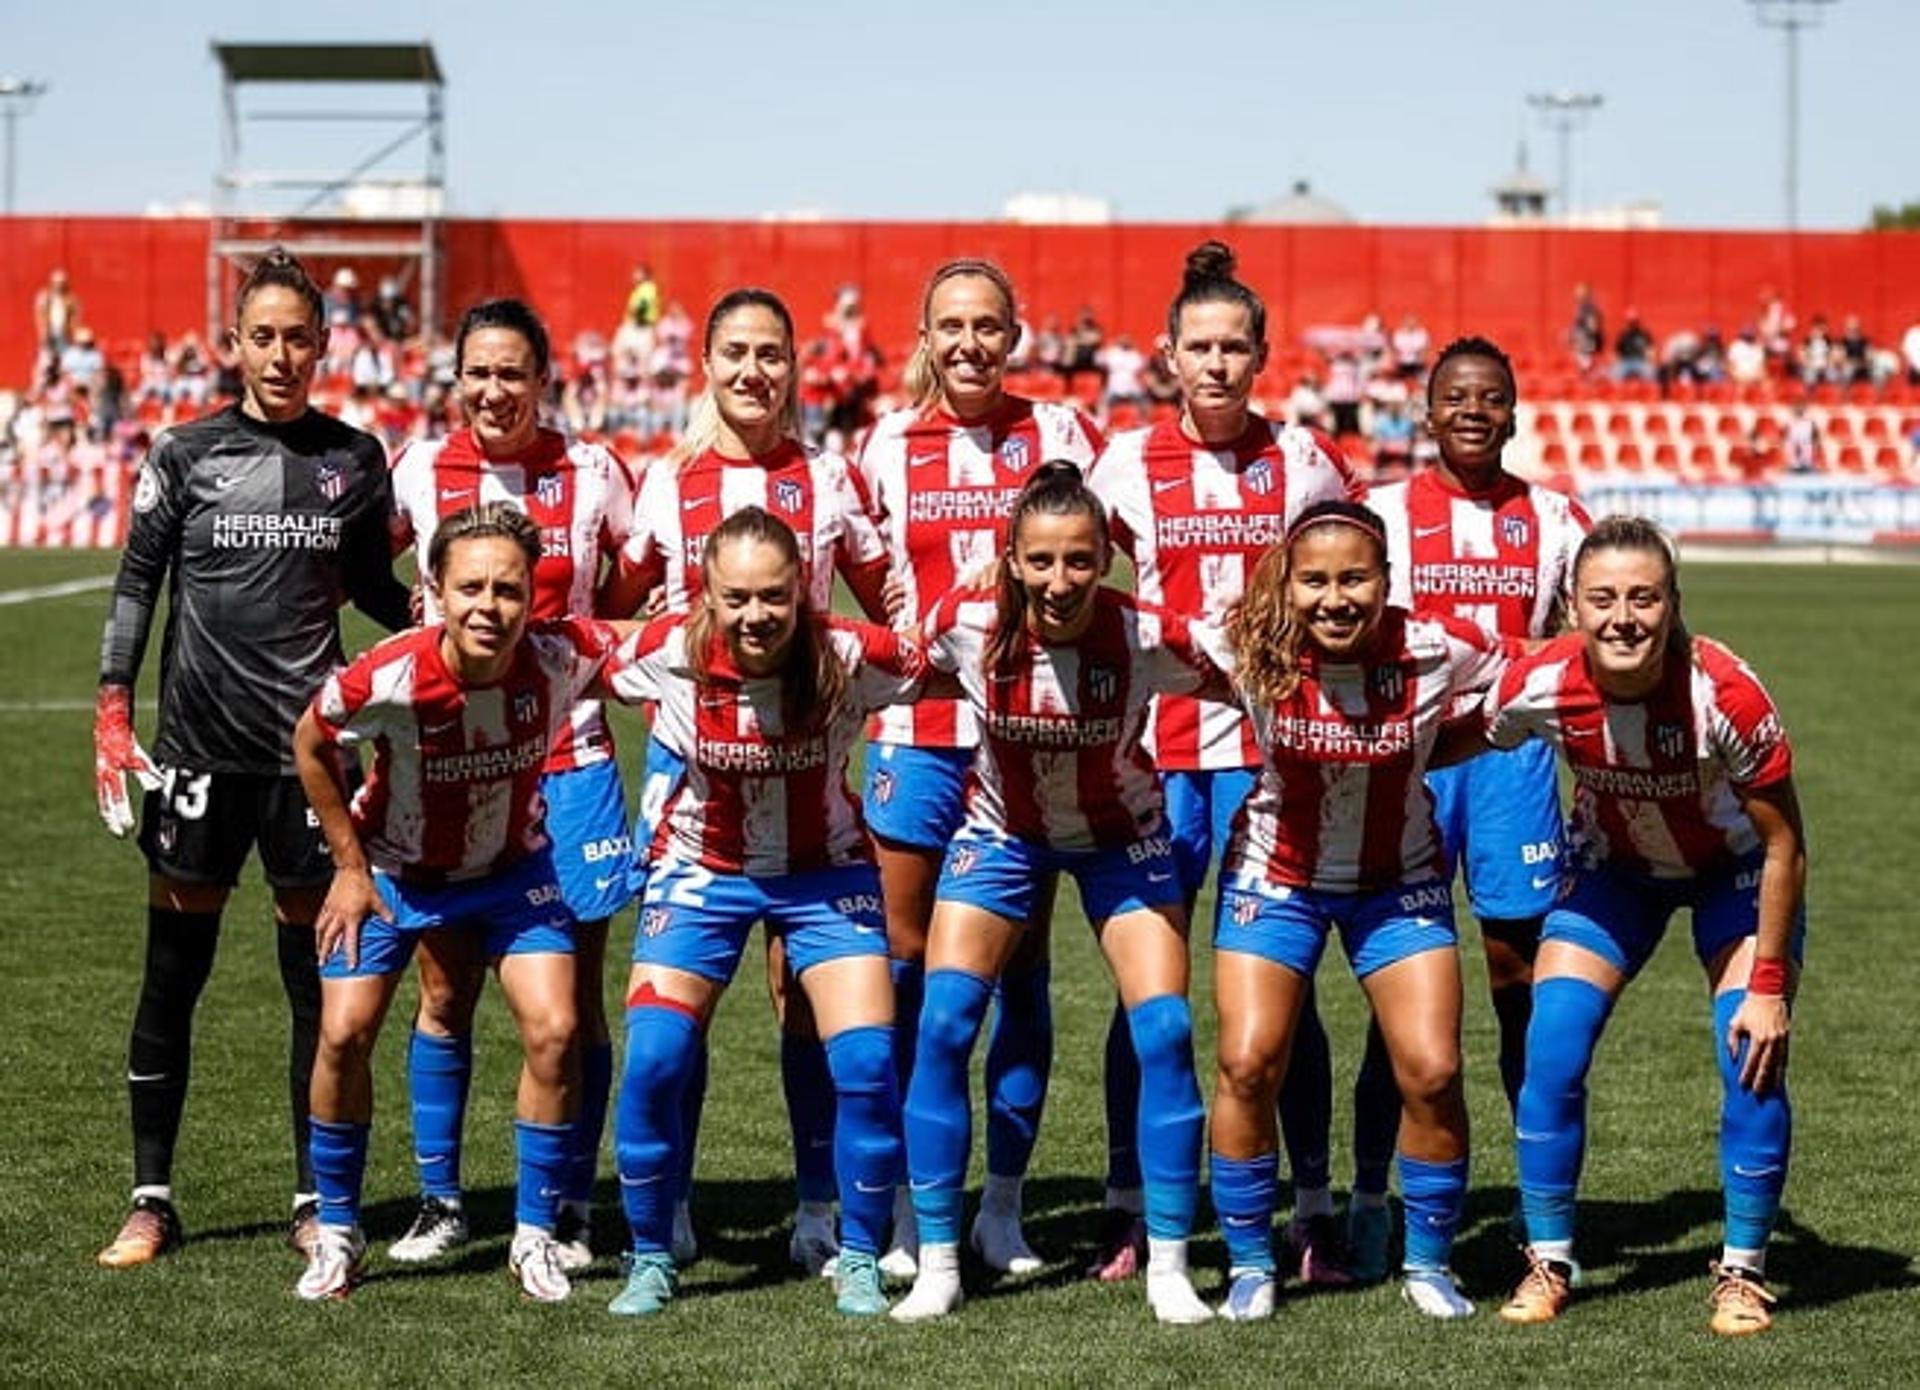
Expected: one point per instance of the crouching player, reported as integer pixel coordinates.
(763, 701)
(1684, 797)
(447, 832)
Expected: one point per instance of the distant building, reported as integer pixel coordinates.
(1299, 207)
(1520, 199)
(1058, 209)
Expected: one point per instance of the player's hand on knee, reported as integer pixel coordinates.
(116, 753)
(351, 899)
(1763, 1023)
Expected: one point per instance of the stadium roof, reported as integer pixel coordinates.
(329, 62)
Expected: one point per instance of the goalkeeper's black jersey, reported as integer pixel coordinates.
(261, 532)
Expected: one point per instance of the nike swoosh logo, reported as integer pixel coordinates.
(871, 1187)
(688, 504)
(440, 728)
(1549, 881)
(649, 1181)
(1167, 484)
(454, 494)
(1420, 533)
(222, 484)
(1528, 1136)
(1764, 1171)
(138, 1078)
(1239, 1222)
(601, 885)
(915, 1185)
(1159, 878)
(919, 459)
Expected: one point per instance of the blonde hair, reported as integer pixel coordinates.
(813, 680)
(1266, 635)
(704, 422)
(920, 376)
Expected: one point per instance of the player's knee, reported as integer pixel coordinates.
(861, 1061)
(546, 1039)
(955, 1004)
(1248, 1074)
(1430, 1078)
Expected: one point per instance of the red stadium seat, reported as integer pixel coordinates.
(1582, 424)
(1849, 459)
(1656, 426)
(1666, 458)
(1684, 391)
(1546, 423)
(1638, 390)
(1692, 425)
(1886, 459)
(1591, 457)
(1728, 427)
(1553, 456)
(1620, 425)
(1862, 393)
(1627, 458)
(1840, 428)
(1767, 428)
(1873, 429)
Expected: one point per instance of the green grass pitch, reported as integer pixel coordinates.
(1837, 646)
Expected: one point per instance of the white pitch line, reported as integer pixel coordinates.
(44, 706)
(9, 597)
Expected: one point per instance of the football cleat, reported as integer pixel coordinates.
(1741, 1301)
(573, 1241)
(535, 1261)
(303, 1231)
(856, 1284)
(936, 1289)
(815, 1245)
(1002, 1246)
(1433, 1292)
(438, 1226)
(1369, 1243)
(1249, 1296)
(651, 1280)
(1123, 1247)
(1314, 1250)
(152, 1229)
(1542, 1293)
(1170, 1294)
(333, 1265)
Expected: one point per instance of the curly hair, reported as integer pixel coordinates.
(1267, 636)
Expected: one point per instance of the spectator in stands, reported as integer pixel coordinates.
(1776, 327)
(81, 361)
(1305, 404)
(1910, 354)
(156, 374)
(392, 311)
(1050, 346)
(1817, 358)
(342, 299)
(1410, 346)
(1711, 364)
(1121, 364)
(1392, 436)
(56, 314)
(1802, 442)
(643, 300)
(1083, 344)
(1856, 351)
(1746, 358)
(1587, 334)
(1633, 351)
(374, 363)
(1370, 345)
(1344, 391)
(1162, 385)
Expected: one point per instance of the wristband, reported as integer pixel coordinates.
(1769, 977)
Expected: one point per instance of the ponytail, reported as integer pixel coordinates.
(1055, 489)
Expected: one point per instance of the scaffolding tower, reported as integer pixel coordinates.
(384, 209)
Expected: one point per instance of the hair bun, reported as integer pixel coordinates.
(1057, 470)
(1211, 260)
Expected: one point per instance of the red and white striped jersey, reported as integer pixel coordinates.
(1500, 559)
(813, 492)
(1342, 803)
(756, 799)
(942, 491)
(1656, 781)
(1195, 520)
(1060, 760)
(454, 792)
(580, 495)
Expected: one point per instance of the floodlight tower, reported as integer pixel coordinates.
(1565, 112)
(17, 95)
(1790, 17)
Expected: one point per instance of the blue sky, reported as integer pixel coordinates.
(1405, 112)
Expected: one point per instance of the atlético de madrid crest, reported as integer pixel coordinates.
(550, 489)
(788, 496)
(1515, 531)
(1014, 455)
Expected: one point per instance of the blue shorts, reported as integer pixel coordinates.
(1622, 916)
(696, 920)
(1005, 875)
(1499, 820)
(916, 796)
(661, 777)
(1201, 806)
(587, 821)
(1289, 926)
(521, 911)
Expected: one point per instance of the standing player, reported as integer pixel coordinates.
(1059, 671)
(1347, 696)
(447, 835)
(1468, 539)
(581, 498)
(942, 476)
(259, 521)
(1195, 503)
(1683, 797)
(742, 448)
(763, 703)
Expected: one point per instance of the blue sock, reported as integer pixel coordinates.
(1019, 1062)
(1756, 1134)
(1434, 1195)
(662, 1044)
(1376, 1116)
(1550, 1122)
(1243, 1198)
(909, 991)
(596, 1081)
(693, 1103)
(339, 1153)
(1171, 1115)
(1306, 1100)
(808, 1085)
(1122, 1083)
(866, 1133)
(545, 1153)
(937, 1117)
(439, 1070)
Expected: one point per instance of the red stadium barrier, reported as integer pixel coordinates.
(134, 275)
